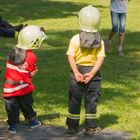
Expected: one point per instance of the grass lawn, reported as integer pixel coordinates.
(119, 107)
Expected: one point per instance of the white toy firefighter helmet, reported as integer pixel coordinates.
(89, 19)
(31, 37)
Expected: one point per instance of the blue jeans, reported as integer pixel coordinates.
(118, 18)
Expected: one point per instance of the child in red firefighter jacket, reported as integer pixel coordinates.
(85, 56)
(20, 68)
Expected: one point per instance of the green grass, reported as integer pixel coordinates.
(119, 107)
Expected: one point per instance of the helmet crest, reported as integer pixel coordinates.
(89, 19)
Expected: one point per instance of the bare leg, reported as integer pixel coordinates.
(111, 35)
(120, 43)
(108, 43)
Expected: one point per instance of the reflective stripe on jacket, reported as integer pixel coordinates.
(17, 78)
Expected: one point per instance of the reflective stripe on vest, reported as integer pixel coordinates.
(9, 90)
(12, 82)
(90, 116)
(13, 67)
(73, 116)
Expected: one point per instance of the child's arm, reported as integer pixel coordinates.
(88, 76)
(78, 76)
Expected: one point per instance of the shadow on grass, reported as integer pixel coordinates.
(51, 81)
(55, 132)
(31, 9)
(60, 38)
(49, 117)
(114, 94)
(53, 66)
(105, 120)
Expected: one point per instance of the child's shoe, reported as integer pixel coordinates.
(34, 123)
(12, 129)
(92, 131)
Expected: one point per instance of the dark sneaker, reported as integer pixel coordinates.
(12, 129)
(34, 123)
(92, 131)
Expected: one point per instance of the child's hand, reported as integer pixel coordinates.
(79, 77)
(87, 77)
(33, 73)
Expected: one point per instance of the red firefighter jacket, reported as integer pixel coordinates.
(18, 78)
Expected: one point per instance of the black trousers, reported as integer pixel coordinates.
(90, 92)
(6, 29)
(7, 32)
(13, 105)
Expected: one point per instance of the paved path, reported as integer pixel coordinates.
(58, 133)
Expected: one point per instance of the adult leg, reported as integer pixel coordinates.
(7, 32)
(122, 19)
(5, 24)
(10, 31)
(120, 44)
(114, 21)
